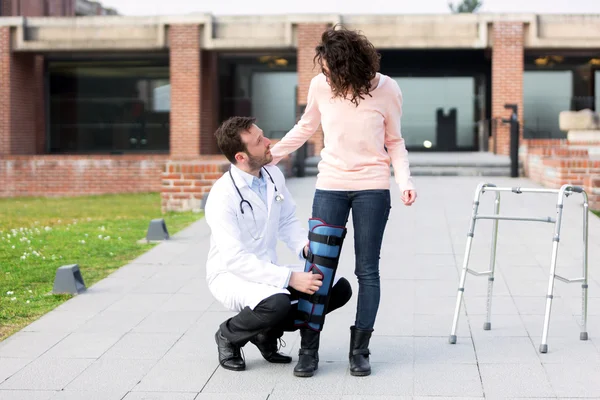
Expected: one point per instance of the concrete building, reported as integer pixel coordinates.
(103, 104)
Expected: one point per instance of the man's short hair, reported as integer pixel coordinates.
(229, 137)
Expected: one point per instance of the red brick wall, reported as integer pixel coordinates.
(210, 103)
(309, 36)
(507, 77)
(554, 166)
(184, 183)
(5, 8)
(79, 175)
(22, 128)
(185, 64)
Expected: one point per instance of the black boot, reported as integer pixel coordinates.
(230, 356)
(308, 360)
(359, 351)
(267, 344)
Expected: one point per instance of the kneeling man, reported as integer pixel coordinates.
(249, 208)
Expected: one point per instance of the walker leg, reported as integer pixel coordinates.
(487, 325)
(584, 286)
(550, 293)
(463, 276)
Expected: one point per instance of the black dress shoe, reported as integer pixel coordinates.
(230, 355)
(268, 348)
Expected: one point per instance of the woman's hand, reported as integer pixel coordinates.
(409, 197)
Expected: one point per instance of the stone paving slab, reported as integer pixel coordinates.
(146, 331)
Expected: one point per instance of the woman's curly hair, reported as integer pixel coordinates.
(352, 61)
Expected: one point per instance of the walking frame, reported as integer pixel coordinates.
(564, 191)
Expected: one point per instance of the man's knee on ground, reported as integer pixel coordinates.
(275, 308)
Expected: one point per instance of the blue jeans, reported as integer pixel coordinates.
(370, 212)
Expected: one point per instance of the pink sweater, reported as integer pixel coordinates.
(353, 157)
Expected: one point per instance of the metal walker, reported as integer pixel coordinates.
(564, 191)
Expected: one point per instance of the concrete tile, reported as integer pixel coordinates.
(574, 380)
(83, 345)
(385, 379)
(376, 397)
(447, 380)
(394, 350)
(26, 394)
(90, 301)
(113, 322)
(439, 351)
(87, 395)
(394, 325)
(29, 344)
(500, 305)
(526, 380)
(440, 325)
(60, 321)
(135, 272)
(560, 326)
(437, 305)
(328, 380)
(194, 286)
(9, 366)
(46, 374)
(188, 302)
(506, 350)
(259, 377)
(161, 396)
(501, 326)
(152, 346)
(139, 302)
(168, 322)
(111, 375)
(536, 305)
(177, 376)
(571, 351)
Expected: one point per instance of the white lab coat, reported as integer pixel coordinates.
(242, 271)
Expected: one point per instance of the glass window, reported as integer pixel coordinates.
(545, 95)
(273, 101)
(262, 86)
(438, 112)
(109, 107)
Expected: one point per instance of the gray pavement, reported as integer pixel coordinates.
(146, 331)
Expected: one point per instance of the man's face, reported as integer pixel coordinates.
(258, 153)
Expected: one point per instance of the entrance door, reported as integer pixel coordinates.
(439, 112)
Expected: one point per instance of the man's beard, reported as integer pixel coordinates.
(256, 163)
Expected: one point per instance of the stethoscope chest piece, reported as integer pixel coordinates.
(279, 198)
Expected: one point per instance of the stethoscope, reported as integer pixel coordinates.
(278, 199)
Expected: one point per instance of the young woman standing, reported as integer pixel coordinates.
(360, 111)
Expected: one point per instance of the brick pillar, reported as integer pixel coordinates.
(507, 77)
(309, 35)
(209, 116)
(22, 128)
(5, 8)
(185, 66)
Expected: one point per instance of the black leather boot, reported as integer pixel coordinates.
(267, 345)
(230, 356)
(359, 351)
(308, 360)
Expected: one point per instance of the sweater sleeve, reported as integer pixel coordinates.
(304, 129)
(394, 141)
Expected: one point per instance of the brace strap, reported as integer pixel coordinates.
(324, 261)
(326, 239)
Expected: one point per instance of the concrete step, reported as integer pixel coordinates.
(445, 164)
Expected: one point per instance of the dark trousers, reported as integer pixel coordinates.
(370, 212)
(275, 315)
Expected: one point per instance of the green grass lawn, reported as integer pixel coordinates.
(38, 235)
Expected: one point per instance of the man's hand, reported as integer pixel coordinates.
(306, 282)
(409, 197)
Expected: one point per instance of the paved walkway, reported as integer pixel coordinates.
(146, 332)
